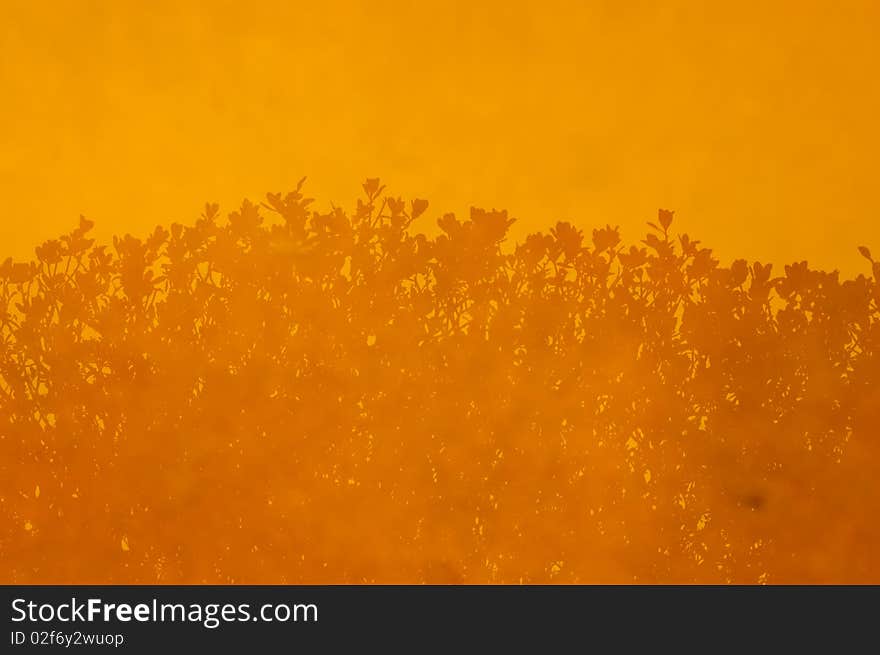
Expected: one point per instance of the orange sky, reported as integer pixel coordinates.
(755, 121)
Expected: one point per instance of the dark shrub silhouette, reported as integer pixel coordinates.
(289, 396)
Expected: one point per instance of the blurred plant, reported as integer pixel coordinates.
(308, 397)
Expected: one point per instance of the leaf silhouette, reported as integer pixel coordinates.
(418, 207)
(333, 396)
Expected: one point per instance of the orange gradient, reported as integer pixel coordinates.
(490, 388)
(755, 121)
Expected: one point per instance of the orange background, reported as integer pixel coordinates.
(755, 121)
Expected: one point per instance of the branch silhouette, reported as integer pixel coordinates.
(289, 396)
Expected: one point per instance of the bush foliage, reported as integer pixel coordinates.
(289, 396)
